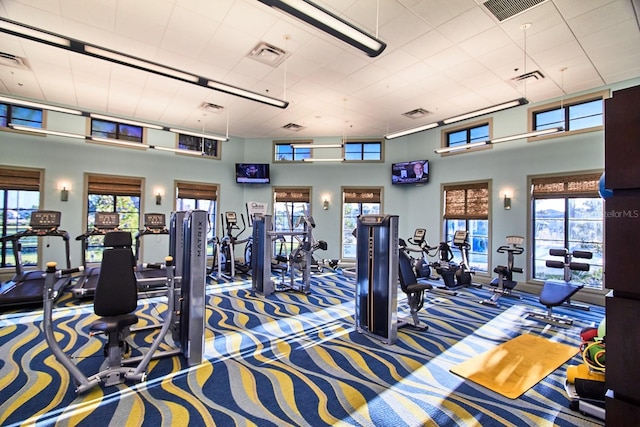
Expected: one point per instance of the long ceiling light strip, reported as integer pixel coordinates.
(124, 121)
(35, 34)
(24, 103)
(316, 145)
(411, 131)
(481, 112)
(499, 140)
(199, 134)
(103, 140)
(340, 159)
(46, 131)
(326, 21)
(492, 109)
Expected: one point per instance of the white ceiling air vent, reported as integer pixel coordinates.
(14, 61)
(292, 126)
(268, 54)
(417, 113)
(505, 9)
(213, 108)
(530, 77)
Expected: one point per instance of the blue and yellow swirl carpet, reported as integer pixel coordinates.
(290, 360)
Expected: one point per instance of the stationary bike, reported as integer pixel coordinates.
(504, 283)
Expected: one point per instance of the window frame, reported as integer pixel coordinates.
(200, 192)
(448, 216)
(362, 141)
(565, 103)
(214, 143)
(593, 194)
(9, 117)
(292, 198)
(468, 127)
(28, 177)
(132, 141)
(377, 197)
(277, 143)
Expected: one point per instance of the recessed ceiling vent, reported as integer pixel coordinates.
(505, 9)
(293, 127)
(268, 54)
(417, 113)
(10, 60)
(530, 77)
(212, 108)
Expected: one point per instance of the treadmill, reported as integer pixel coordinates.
(27, 287)
(85, 286)
(151, 279)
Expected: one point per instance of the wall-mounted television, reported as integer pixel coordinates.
(412, 172)
(252, 173)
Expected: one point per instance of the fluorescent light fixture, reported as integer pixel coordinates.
(499, 107)
(178, 150)
(326, 21)
(77, 46)
(46, 131)
(39, 105)
(109, 141)
(316, 145)
(461, 147)
(124, 121)
(528, 135)
(323, 160)
(32, 33)
(243, 93)
(141, 64)
(411, 131)
(199, 134)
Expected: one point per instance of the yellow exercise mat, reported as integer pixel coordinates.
(517, 365)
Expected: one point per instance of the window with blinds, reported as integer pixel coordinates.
(301, 194)
(567, 212)
(19, 197)
(467, 201)
(201, 196)
(356, 201)
(109, 193)
(466, 207)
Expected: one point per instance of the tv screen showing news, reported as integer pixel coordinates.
(252, 173)
(413, 172)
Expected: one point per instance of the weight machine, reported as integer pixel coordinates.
(504, 284)
(263, 260)
(185, 312)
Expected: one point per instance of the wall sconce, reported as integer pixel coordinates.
(158, 192)
(64, 188)
(506, 196)
(325, 203)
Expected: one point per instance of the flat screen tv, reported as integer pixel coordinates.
(412, 172)
(252, 173)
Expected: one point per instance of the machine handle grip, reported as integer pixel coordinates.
(517, 270)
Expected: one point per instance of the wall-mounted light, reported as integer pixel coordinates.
(64, 188)
(325, 203)
(506, 197)
(159, 193)
(326, 21)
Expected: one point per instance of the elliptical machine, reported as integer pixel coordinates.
(225, 248)
(504, 283)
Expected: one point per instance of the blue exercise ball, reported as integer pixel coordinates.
(605, 193)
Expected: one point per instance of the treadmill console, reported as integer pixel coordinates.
(106, 220)
(154, 221)
(41, 220)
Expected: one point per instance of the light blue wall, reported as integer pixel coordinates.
(507, 166)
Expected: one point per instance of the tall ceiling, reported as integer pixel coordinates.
(446, 57)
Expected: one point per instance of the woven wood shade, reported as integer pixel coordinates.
(362, 195)
(467, 201)
(114, 185)
(19, 179)
(198, 191)
(585, 185)
(293, 195)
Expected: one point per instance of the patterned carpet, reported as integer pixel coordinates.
(289, 360)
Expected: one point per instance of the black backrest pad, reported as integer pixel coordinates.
(117, 289)
(117, 239)
(407, 276)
